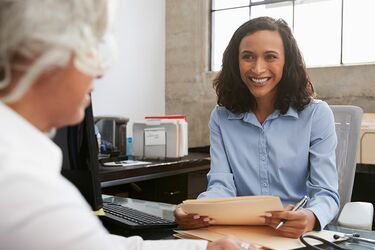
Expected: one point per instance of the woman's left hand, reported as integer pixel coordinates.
(297, 222)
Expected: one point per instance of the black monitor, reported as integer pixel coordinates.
(81, 166)
(80, 158)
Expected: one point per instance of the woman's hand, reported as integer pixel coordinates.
(229, 243)
(297, 222)
(190, 221)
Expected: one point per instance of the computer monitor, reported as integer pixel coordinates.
(80, 158)
(81, 166)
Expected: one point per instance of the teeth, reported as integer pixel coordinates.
(259, 80)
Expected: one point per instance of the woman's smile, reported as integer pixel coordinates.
(259, 81)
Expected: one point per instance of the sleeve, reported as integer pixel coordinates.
(322, 184)
(220, 177)
(161, 244)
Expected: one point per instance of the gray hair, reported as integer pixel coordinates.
(48, 33)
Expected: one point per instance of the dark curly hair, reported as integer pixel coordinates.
(294, 89)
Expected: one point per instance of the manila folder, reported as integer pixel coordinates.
(243, 210)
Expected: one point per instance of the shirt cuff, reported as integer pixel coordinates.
(321, 220)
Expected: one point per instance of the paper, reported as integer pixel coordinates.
(127, 163)
(154, 136)
(182, 130)
(260, 235)
(243, 210)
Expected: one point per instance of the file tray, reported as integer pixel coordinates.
(156, 139)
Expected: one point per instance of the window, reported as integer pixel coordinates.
(317, 29)
(226, 22)
(358, 35)
(328, 32)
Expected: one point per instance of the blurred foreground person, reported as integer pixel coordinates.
(48, 60)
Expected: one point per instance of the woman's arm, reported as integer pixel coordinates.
(322, 184)
(220, 177)
(322, 181)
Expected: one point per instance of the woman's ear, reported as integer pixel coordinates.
(10, 75)
(7, 82)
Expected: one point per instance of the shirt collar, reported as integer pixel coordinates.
(25, 140)
(234, 116)
(292, 112)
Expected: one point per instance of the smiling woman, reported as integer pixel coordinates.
(294, 87)
(264, 97)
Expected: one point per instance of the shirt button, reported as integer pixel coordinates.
(263, 158)
(264, 184)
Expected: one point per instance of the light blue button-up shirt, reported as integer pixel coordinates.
(290, 155)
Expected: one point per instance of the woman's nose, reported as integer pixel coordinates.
(258, 66)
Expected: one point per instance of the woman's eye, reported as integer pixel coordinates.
(271, 57)
(247, 57)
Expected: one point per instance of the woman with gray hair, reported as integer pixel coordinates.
(48, 60)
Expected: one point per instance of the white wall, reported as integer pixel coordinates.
(135, 85)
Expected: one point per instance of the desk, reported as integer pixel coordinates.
(112, 176)
(166, 211)
(362, 233)
(187, 178)
(182, 179)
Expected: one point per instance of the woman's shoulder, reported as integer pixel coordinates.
(317, 105)
(221, 112)
(317, 110)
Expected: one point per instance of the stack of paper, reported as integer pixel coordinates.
(243, 210)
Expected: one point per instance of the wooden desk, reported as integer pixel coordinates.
(179, 180)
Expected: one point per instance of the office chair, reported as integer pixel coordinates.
(348, 125)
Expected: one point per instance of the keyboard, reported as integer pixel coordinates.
(135, 219)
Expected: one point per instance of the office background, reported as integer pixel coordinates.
(134, 86)
(163, 67)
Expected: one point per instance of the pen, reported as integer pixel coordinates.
(299, 205)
